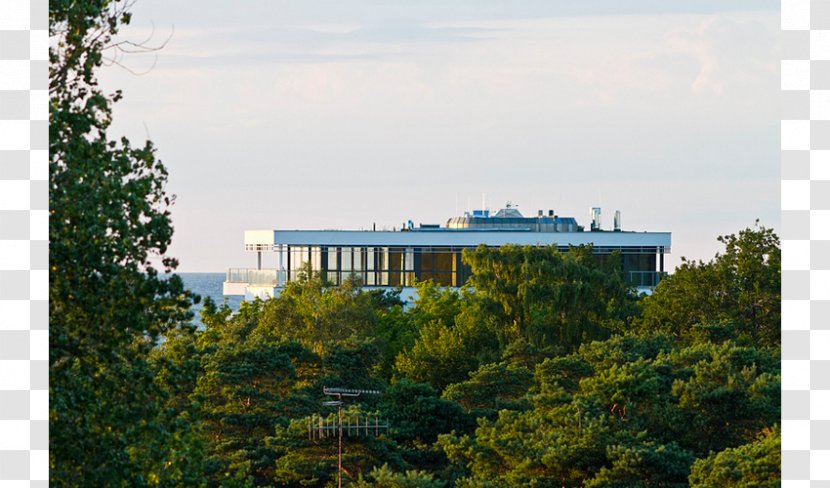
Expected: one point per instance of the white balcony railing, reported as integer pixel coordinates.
(256, 277)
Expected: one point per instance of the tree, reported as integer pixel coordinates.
(417, 416)
(629, 411)
(440, 356)
(726, 394)
(756, 464)
(317, 315)
(243, 392)
(109, 221)
(739, 290)
(551, 298)
(491, 388)
(417, 413)
(384, 477)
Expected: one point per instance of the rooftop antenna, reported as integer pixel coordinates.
(318, 428)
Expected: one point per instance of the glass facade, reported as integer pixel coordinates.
(379, 266)
(402, 266)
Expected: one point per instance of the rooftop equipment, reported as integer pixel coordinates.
(509, 218)
(617, 222)
(596, 215)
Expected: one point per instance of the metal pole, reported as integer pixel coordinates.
(340, 442)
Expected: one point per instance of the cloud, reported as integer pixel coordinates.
(645, 110)
(730, 53)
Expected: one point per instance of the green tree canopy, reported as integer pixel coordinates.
(109, 228)
(753, 465)
(739, 290)
(552, 298)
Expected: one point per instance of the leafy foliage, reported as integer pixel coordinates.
(109, 222)
(549, 297)
(602, 417)
(491, 388)
(756, 464)
(739, 290)
(384, 477)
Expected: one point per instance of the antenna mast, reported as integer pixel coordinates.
(317, 428)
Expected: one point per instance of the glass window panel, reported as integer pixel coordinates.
(409, 259)
(383, 258)
(333, 277)
(357, 259)
(332, 259)
(395, 259)
(299, 256)
(395, 278)
(444, 279)
(427, 262)
(444, 262)
(370, 258)
(316, 265)
(346, 259)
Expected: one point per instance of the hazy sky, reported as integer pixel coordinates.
(341, 114)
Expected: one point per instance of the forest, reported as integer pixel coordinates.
(545, 370)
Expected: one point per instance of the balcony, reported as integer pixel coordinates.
(255, 277)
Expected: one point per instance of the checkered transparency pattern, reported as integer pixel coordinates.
(805, 232)
(24, 234)
(805, 243)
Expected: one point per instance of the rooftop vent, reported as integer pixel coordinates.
(596, 214)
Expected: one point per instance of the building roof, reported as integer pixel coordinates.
(455, 237)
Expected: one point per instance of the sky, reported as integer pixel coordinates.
(344, 114)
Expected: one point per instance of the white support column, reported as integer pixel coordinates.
(281, 269)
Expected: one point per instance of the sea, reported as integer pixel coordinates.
(208, 285)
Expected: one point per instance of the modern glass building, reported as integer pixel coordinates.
(399, 258)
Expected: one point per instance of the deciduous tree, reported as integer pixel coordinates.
(109, 227)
